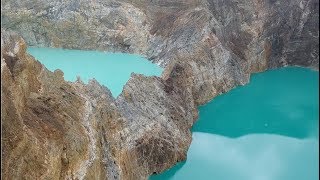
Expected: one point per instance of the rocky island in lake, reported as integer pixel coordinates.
(59, 126)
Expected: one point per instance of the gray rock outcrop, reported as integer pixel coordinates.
(55, 129)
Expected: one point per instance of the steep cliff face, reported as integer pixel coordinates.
(265, 33)
(219, 42)
(91, 24)
(53, 129)
(61, 130)
(48, 125)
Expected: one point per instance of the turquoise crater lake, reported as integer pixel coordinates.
(112, 70)
(265, 130)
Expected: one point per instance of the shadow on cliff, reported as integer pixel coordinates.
(169, 173)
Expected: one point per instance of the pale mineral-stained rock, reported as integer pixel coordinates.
(265, 33)
(91, 24)
(220, 42)
(160, 135)
(53, 129)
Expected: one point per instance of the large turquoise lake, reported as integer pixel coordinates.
(110, 69)
(266, 130)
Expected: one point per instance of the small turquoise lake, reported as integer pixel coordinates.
(110, 69)
(265, 130)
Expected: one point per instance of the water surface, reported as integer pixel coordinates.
(110, 69)
(266, 130)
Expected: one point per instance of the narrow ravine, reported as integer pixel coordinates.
(80, 174)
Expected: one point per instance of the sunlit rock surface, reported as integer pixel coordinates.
(59, 130)
(220, 42)
(53, 129)
(50, 130)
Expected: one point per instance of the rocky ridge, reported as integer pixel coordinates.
(206, 47)
(219, 42)
(53, 129)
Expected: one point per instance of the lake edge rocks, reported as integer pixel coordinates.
(61, 130)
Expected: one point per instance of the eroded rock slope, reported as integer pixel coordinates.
(219, 42)
(55, 129)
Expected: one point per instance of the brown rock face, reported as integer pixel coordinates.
(49, 126)
(219, 42)
(53, 129)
